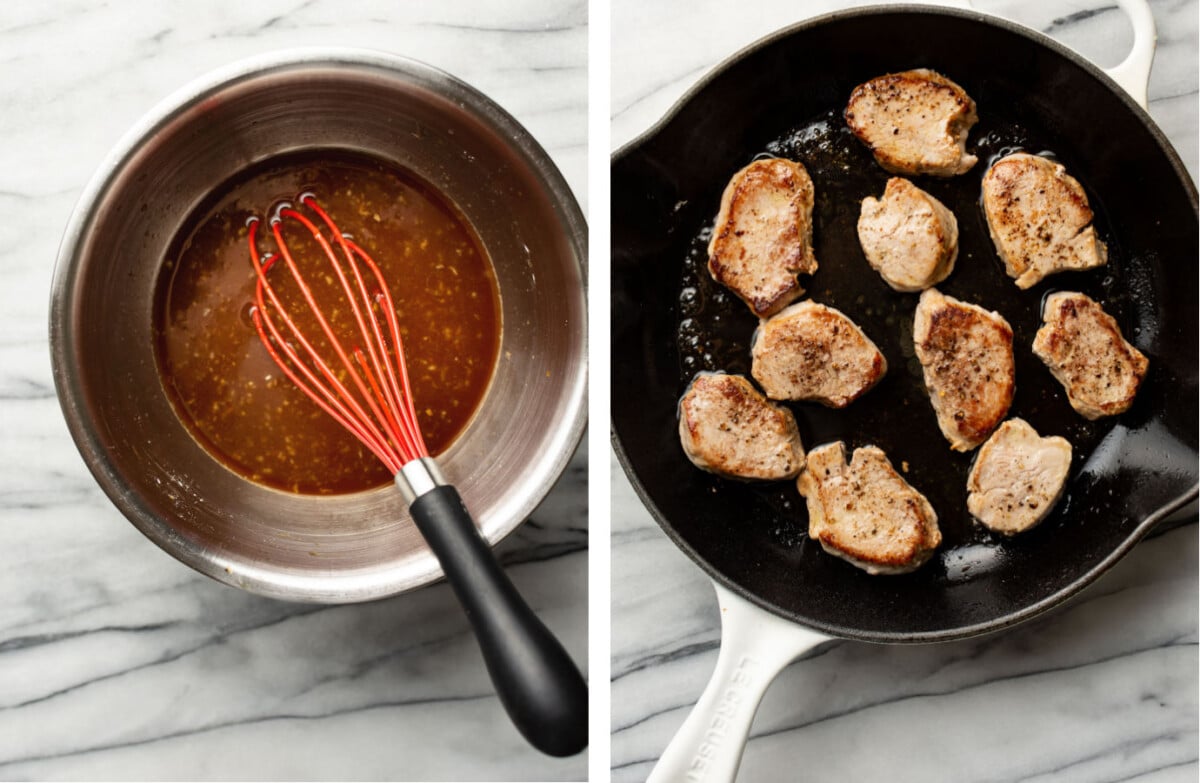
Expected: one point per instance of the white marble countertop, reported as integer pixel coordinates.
(1103, 690)
(116, 661)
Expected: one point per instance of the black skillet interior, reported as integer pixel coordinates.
(669, 320)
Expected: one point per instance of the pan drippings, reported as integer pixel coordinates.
(715, 330)
(223, 383)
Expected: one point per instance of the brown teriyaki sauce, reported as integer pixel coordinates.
(716, 330)
(222, 382)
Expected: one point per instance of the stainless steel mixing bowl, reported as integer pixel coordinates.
(328, 549)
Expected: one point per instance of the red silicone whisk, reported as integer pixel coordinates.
(359, 377)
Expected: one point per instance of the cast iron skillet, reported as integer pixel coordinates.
(784, 96)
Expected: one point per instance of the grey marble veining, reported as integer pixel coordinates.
(1104, 689)
(117, 662)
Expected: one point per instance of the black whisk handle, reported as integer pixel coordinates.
(538, 684)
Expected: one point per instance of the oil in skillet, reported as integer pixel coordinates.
(716, 329)
(223, 384)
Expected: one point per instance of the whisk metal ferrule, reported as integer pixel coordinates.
(418, 477)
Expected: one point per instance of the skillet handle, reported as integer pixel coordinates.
(1133, 73)
(755, 646)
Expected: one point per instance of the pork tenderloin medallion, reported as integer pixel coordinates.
(908, 236)
(1084, 349)
(762, 238)
(915, 122)
(814, 352)
(966, 356)
(1017, 478)
(727, 427)
(864, 512)
(1039, 219)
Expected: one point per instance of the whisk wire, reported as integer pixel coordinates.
(331, 404)
(334, 402)
(382, 414)
(397, 403)
(398, 375)
(330, 335)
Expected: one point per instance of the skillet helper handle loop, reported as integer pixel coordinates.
(755, 646)
(1132, 73)
(539, 685)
